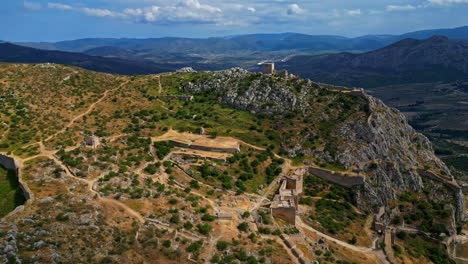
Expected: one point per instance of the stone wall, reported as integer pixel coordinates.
(179, 144)
(338, 178)
(7, 162)
(211, 149)
(203, 148)
(288, 214)
(10, 164)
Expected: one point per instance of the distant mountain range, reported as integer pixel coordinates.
(407, 61)
(19, 54)
(244, 43)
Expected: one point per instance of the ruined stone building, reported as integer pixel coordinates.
(286, 203)
(268, 68)
(91, 141)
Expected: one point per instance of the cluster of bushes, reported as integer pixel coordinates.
(430, 216)
(206, 172)
(273, 170)
(314, 186)
(333, 215)
(418, 247)
(68, 158)
(162, 149)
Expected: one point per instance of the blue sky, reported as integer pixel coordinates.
(54, 20)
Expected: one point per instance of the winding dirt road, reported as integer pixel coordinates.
(90, 109)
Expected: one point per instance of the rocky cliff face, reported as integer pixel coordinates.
(366, 137)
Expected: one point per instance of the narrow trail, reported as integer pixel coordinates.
(300, 223)
(171, 229)
(379, 254)
(281, 242)
(127, 209)
(6, 131)
(90, 109)
(160, 85)
(51, 154)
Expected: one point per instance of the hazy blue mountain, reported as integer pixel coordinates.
(455, 33)
(110, 51)
(14, 53)
(293, 42)
(407, 61)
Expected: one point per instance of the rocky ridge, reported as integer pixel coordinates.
(381, 145)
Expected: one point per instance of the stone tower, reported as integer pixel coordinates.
(268, 68)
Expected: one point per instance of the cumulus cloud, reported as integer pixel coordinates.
(183, 11)
(295, 9)
(447, 2)
(101, 12)
(400, 7)
(58, 6)
(354, 12)
(31, 6)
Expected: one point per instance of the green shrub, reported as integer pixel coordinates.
(222, 245)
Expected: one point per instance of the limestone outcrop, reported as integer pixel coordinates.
(380, 144)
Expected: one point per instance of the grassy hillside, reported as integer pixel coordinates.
(128, 200)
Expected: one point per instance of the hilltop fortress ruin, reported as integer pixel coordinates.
(269, 68)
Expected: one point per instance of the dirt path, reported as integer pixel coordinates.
(6, 131)
(160, 85)
(378, 253)
(90, 183)
(90, 109)
(281, 242)
(127, 209)
(300, 223)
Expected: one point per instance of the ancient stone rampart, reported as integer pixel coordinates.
(211, 149)
(204, 148)
(10, 164)
(338, 178)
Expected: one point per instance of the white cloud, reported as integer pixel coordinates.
(447, 2)
(183, 11)
(101, 12)
(251, 9)
(31, 6)
(354, 12)
(58, 6)
(400, 7)
(295, 9)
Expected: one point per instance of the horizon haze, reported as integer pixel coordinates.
(50, 21)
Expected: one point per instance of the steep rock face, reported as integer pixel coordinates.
(380, 144)
(390, 152)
